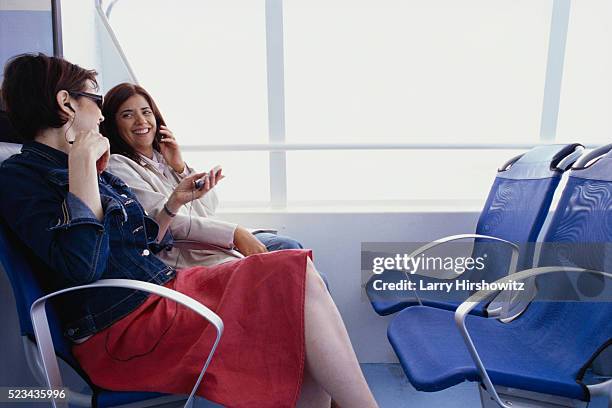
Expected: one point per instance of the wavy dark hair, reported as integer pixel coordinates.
(112, 102)
(29, 91)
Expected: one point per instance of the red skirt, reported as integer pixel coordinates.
(162, 346)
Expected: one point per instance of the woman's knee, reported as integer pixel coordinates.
(313, 278)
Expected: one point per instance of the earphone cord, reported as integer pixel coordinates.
(66, 132)
(188, 228)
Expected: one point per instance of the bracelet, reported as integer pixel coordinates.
(167, 211)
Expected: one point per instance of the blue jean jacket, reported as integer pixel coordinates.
(63, 231)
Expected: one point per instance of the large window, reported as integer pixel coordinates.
(415, 71)
(585, 113)
(204, 60)
(393, 176)
(345, 93)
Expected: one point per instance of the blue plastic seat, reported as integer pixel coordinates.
(548, 348)
(26, 288)
(531, 353)
(515, 211)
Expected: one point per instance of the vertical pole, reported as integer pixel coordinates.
(56, 18)
(276, 100)
(554, 70)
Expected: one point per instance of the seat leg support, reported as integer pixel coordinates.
(516, 398)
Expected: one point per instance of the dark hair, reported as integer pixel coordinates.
(112, 102)
(30, 87)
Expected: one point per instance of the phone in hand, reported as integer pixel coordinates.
(199, 184)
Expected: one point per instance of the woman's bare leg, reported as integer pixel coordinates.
(330, 358)
(312, 395)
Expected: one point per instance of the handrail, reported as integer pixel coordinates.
(285, 147)
(113, 37)
(511, 267)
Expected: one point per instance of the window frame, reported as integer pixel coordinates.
(277, 146)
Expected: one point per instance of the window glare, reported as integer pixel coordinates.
(409, 175)
(359, 71)
(586, 92)
(415, 71)
(246, 179)
(204, 62)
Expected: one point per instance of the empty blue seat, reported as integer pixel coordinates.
(533, 353)
(515, 211)
(547, 348)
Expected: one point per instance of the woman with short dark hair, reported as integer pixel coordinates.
(86, 225)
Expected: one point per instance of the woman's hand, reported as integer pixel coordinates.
(246, 243)
(90, 146)
(87, 158)
(170, 150)
(186, 190)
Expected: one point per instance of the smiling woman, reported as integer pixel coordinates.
(137, 124)
(131, 111)
(147, 156)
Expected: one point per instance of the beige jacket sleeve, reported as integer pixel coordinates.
(153, 191)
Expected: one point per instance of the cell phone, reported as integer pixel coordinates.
(158, 135)
(199, 184)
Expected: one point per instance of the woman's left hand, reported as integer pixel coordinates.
(170, 150)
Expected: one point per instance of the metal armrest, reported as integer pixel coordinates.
(511, 268)
(45, 342)
(464, 309)
(450, 238)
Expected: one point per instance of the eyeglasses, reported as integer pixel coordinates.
(98, 99)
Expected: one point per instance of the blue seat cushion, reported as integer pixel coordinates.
(434, 356)
(113, 398)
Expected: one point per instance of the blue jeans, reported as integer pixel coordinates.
(275, 242)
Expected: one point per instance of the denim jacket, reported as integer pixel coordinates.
(64, 233)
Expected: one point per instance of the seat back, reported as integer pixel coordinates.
(580, 235)
(515, 210)
(518, 204)
(25, 273)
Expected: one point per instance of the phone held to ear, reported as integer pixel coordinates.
(199, 184)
